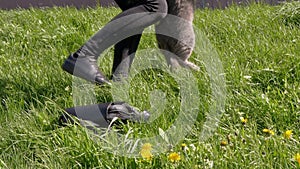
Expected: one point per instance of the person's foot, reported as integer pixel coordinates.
(126, 112)
(85, 69)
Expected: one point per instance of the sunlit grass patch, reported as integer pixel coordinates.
(259, 128)
(289, 14)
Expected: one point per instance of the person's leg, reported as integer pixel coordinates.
(124, 50)
(128, 23)
(124, 53)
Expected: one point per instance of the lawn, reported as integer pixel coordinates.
(257, 48)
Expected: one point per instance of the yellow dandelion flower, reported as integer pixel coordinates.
(243, 120)
(184, 147)
(146, 154)
(297, 158)
(223, 143)
(288, 134)
(146, 151)
(268, 131)
(147, 146)
(174, 157)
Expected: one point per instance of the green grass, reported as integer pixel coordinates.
(261, 59)
(290, 13)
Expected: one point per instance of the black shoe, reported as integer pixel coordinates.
(103, 114)
(85, 69)
(126, 112)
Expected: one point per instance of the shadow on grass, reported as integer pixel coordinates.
(3, 95)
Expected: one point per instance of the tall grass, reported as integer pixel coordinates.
(290, 13)
(260, 55)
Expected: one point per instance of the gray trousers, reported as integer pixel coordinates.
(124, 31)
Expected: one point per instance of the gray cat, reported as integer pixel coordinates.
(181, 46)
(174, 33)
